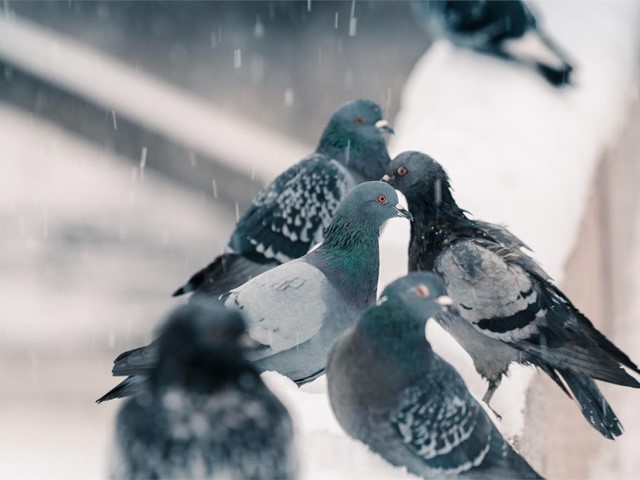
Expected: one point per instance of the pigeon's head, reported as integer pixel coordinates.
(200, 337)
(354, 137)
(419, 177)
(371, 203)
(422, 294)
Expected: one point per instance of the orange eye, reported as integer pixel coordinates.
(402, 171)
(382, 199)
(359, 120)
(422, 291)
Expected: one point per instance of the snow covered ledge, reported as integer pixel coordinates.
(542, 161)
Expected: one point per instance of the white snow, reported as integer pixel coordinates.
(518, 151)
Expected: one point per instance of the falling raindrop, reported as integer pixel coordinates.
(215, 188)
(115, 120)
(288, 97)
(253, 172)
(335, 21)
(353, 21)
(237, 212)
(347, 152)
(237, 58)
(353, 26)
(387, 103)
(258, 29)
(143, 162)
(437, 192)
(308, 5)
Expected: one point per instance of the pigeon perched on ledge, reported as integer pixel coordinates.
(289, 215)
(509, 309)
(505, 29)
(389, 389)
(297, 310)
(205, 412)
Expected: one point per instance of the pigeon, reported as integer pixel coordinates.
(509, 309)
(298, 309)
(505, 29)
(390, 390)
(204, 412)
(289, 215)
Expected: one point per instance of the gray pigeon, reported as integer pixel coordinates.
(496, 28)
(391, 391)
(297, 310)
(204, 412)
(510, 310)
(289, 215)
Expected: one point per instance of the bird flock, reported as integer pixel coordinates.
(296, 292)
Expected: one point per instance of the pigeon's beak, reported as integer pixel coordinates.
(383, 126)
(247, 343)
(388, 178)
(404, 213)
(444, 301)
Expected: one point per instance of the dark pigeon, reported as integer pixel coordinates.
(391, 391)
(204, 412)
(288, 217)
(497, 28)
(297, 310)
(510, 311)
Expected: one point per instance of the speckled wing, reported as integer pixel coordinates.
(441, 423)
(498, 297)
(289, 216)
(502, 298)
(284, 307)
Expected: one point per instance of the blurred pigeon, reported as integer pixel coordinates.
(297, 310)
(205, 412)
(288, 217)
(390, 390)
(506, 29)
(510, 311)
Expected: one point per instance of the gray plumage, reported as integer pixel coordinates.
(297, 310)
(204, 412)
(496, 28)
(390, 390)
(289, 215)
(509, 309)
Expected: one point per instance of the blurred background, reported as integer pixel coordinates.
(105, 208)
(132, 134)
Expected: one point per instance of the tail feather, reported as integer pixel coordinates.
(129, 386)
(557, 77)
(594, 406)
(225, 273)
